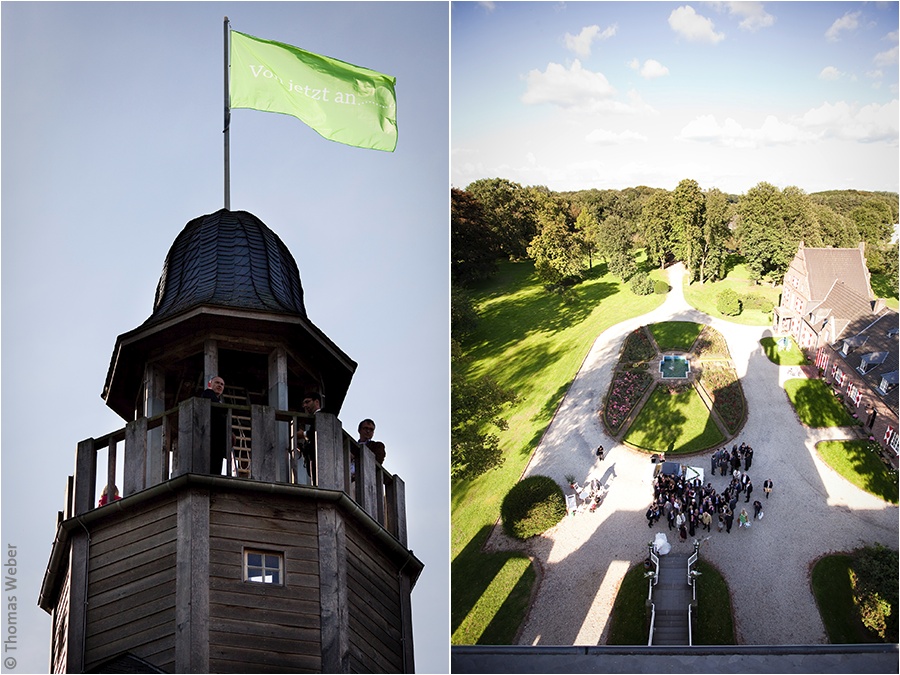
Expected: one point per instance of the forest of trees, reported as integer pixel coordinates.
(566, 233)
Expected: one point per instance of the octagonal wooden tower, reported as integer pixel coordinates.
(287, 558)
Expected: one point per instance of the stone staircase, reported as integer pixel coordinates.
(671, 597)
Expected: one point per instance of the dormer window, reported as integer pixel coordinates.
(888, 382)
(871, 359)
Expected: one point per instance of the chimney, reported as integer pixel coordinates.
(878, 305)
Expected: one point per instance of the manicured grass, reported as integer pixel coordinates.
(533, 341)
(883, 288)
(715, 624)
(629, 621)
(491, 593)
(675, 335)
(815, 404)
(834, 595)
(674, 423)
(703, 297)
(858, 462)
(831, 588)
(792, 356)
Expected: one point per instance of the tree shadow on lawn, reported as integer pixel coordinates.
(868, 467)
(659, 423)
(471, 575)
(816, 406)
(505, 320)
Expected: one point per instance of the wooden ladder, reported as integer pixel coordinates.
(240, 430)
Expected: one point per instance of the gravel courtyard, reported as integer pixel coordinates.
(812, 511)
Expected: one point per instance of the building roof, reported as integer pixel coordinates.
(872, 341)
(228, 259)
(840, 306)
(825, 265)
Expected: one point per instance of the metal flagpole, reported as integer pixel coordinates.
(227, 124)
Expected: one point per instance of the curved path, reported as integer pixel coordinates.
(812, 511)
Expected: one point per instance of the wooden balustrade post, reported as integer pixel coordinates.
(193, 436)
(135, 457)
(262, 443)
(329, 452)
(85, 476)
(396, 498)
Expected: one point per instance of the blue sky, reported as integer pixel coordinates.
(617, 94)
(112, 141)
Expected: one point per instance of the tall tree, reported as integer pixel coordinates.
(474, 248)
(589, 230)
(556, 250)
(765, 242)
(617, 246)
(510, 211)
(716, 217)
(654, 226)
(687, 216)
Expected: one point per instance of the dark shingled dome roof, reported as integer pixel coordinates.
(228, 259)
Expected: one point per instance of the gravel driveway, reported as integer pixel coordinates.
(812, 511)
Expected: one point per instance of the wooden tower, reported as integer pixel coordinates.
(288, 557)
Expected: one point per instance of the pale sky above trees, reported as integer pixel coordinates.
(618, 94)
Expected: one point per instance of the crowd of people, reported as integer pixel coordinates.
(689, 506)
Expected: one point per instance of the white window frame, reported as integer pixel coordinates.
(271, 563)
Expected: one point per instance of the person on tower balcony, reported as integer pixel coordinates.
(218, 449)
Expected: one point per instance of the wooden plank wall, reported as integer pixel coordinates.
(131, 588)
(258, 627)
(375, 616)
(59, 644)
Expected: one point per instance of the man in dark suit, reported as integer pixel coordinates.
(218, 449)
(366, 431)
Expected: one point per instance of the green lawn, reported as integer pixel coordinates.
(703, 296)
(675, 335)
(629, 622)
(858, 462)
(815, 404)
(675, 423)
(883, 288)
(715, 624)
(533, 341)
(834, 595)
(792, 356)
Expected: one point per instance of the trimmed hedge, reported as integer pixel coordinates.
(532, 506)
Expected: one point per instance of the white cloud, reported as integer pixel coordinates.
(693, 27)
(867, 124)
(572, 87)
(830, 73)
(753, 13)
(886, 58)
(732, 134)
(604, 137)
(489, 6)
(850, 21)
(581, 43)
(652, 69)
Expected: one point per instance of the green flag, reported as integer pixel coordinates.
(342, 102)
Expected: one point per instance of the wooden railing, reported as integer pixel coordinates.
(178, 442)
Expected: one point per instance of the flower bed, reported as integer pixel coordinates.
(625, 391)
(637, 347)
(724, 389)
(711, 344)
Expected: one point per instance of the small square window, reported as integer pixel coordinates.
(264, 567)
